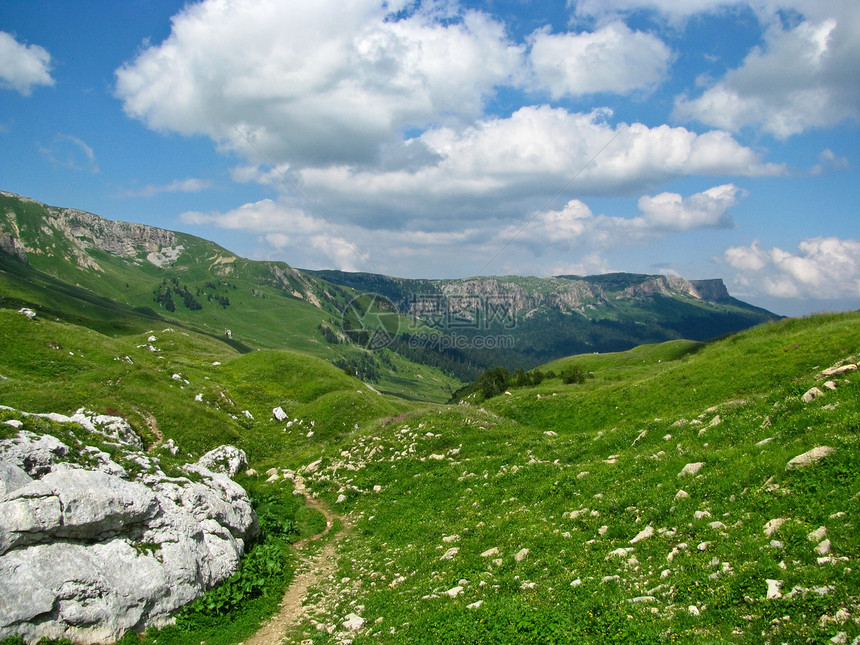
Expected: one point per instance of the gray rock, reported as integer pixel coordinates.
(12, 478)
(691, 469)
(228, 460)
(810, 457)
(88, 553)
(811, 394)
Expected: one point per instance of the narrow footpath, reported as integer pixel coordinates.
(312, 571)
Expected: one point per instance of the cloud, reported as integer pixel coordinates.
(805, 76)
(671, 212)
(315, 83)
(189, 185)
(23, 67)
(265, 216)
(576, 227)
(500, 168)
(829, 160)
(612, 59)
(67, 151)
(429, 249)
(822, 268)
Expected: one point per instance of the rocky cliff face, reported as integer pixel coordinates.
(122, 239)
(93, 545)
(570, 294)
(8, 244)
(72, 232)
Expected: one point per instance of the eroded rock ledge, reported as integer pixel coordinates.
(95, 538)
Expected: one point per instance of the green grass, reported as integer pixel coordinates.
(570, 472)
(510, 486)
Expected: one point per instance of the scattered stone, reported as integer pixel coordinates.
(279, 413)
(475, 605)
(450, 553)
(764, 442)
(700, 514)
(818, 534)
(823, 547)
(811, 394)
(830, 385)
(621, 552)
(453, 592)
(313, 466)
(610, 579)
(810, 457)
(603, 530)
(489, 553)
(14, 423)
(340, 499)
(691, 469)
(693, 610)
(224, 459)
(576, 582)
(837, 370)
(773, 591)
(644, 534)
(641, 599)
(682, 494)
(353, 622)
(451, 538)
(521, 555)
(773, 525)
(717, 526)
(27, 312)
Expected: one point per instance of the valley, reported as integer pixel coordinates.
(685, 489)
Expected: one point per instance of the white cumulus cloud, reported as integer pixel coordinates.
(499, 168)
(613, 58)
(821, 268)
(577, 227)
(22, 67)
(315, 82)
(803, 76)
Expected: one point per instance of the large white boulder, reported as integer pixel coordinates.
(88, 552)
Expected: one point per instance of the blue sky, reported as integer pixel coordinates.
(448, 139)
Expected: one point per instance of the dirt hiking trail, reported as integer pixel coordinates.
(312, 571)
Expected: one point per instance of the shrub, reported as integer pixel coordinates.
(573, 374)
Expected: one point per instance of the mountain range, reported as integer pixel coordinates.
(414, 338)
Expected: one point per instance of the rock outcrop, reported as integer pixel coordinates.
(94, 544)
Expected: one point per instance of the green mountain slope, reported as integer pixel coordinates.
(114, 275)
(521, 322)
(552, 514)
(565, 513)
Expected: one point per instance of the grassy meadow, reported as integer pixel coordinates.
(548, 514)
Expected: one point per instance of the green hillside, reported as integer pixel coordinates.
(437, 334)
(116, 277)
(514, 520)
(561, 479)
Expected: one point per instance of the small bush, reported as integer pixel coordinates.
(572, 375)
